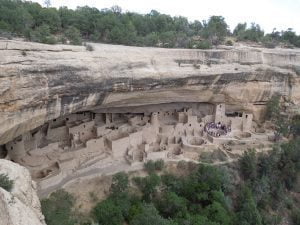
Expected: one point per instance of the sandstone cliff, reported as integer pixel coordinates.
(21, 206)
(42, 82)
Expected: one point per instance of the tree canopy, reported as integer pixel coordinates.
(24, 18)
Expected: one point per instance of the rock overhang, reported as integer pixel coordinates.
(52, 81)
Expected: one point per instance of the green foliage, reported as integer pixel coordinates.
(149, 216)
(6, 183)
(248, 213)
(74, 36)
(172, 205)
(296, 216)
(273, 107)
(295, 126)
(148, 185)
(215, 29)
(248, 165)
(114, 26)
(57, 209)
(204, 44)
(217, 213)
(42, 34)
(108, 213)
(152, 166)
(120, 183)
(159, 164)
(254, 33)
(229, 43)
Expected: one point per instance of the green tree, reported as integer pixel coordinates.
(273, 107)
(42, 34)
(215, 29)
(50, 17)
(108, 213)
(248, 213)
(217, 213)
(172, 205)
(248, 165)
(57, 209)
(74, 36)
(149, 216)
(240, 29)
(148, 185)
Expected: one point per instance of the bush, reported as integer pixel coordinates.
(42, 34)
(248, 212)
(149, 216)
(296, 216)
(57, 209)
(74, 36)
(89, 47)
(148, 185)
(6, 183)
(273, 107)
(107, 213)
(204, 44)
(248, 165)
(159, 164)
(152, 166)
(120, 183)
(229, 43)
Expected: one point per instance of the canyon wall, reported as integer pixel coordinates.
(21, 206)
(40, 82)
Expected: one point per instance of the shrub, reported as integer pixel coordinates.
(148, 185)
(159, 164)
(229, 43)
(107, 213)
(120, 183)
(204, 44)
(248, 165)
(57, 209)
(89, 47)
(296, 216)
(149, 166)
(269, 44)
(248, 212)
(42, 34)
(149, 216)
(5, 182)
(172, 205)
(74, 36)
(152, 166)
(273, 107)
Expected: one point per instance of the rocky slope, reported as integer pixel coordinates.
(42, 82)
(21, 206)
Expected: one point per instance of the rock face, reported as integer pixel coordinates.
(21, 206)
(39, 82)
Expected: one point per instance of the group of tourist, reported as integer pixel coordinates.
(217, 129)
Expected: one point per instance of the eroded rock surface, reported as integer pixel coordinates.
(21, 206)
(40, 82)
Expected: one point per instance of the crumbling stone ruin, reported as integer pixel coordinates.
(78, 142)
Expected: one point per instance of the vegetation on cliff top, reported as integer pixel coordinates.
(51, 25)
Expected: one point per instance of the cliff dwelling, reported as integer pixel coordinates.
(75, 114)
(72, 145)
